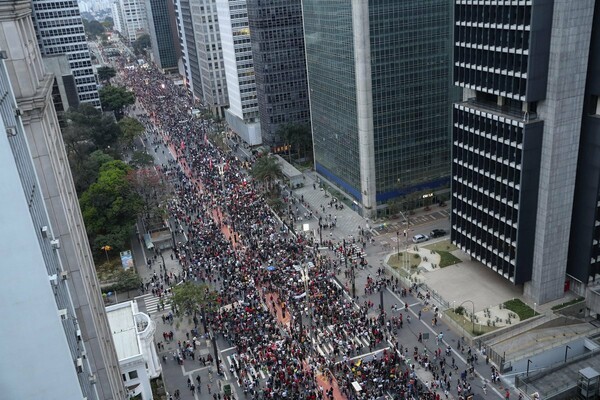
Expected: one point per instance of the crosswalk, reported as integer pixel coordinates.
(330, 338)
(250, 375)
(152, 303)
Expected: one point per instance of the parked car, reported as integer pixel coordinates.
(420, 238)
(437, 233)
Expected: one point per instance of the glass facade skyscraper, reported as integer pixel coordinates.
(379, 79)
(162, 29)
(277, 40)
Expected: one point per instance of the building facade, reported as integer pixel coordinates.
(59, 30)
(516, 134)
(29, 248)
(277, 36)
(378, 75)
(32, 88)
(133, 19)
(162, 30)
(242, 114)
(583, 265)
(185, 32)
(133, 334)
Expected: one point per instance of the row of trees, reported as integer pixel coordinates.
(95, 142)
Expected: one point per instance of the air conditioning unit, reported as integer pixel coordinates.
(64, 275)
(11, 131)
(79, 364)
(45, 232)
(92, 379)
(53, 279)
(55, 244)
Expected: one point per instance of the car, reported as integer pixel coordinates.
(437, 233)
(420, 238)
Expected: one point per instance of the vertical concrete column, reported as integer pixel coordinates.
(364, 103)
(561, 112)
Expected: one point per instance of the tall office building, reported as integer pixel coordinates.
(59, 30)
(379, 80)
(133, 20)
(32, 88)
(185, 32)
(202, 53)
(583, 265)
(242, 114)
(163, 34)
(516, 136)
(277, 37)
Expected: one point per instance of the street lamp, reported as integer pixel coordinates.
(472, 314)
(305, 278)
(398, 244)
(566, 351)
(352, 271)
(528, 362)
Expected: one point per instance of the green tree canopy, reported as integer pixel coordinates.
(130, 129)
(86, 172)
(93, 28)
(110, 207)
(266, 169)
(141, 44)
(105, 73)
(299, 136)
(190, 298)
(108, 23)
(115, 98)
(141, 159)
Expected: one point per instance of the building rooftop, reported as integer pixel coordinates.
(123, 327)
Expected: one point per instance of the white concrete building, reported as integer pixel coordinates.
(133, 334)
(242, 114)
(133, 20)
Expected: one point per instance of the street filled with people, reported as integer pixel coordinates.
(279, 302)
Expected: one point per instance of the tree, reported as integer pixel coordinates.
(108, 23)
(189, 298)
(93, 28)
(105, 73)
(86, 172)
(299, 136)
(266, 169)
(141, 44)
(141, 159)
(115, 98)
(130, 129)
(149, 184)
(110, 207)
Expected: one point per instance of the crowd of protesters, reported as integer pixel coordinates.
(277, 295)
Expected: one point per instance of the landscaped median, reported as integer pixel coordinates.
(444, 250)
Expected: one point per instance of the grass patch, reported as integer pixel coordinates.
(447, 258)
(399, 264)
(467, 325)
(568, 303)
(444, 245)
(520, 308)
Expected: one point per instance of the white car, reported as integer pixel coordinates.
(420, 238)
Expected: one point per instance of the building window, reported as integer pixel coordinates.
(133, 375)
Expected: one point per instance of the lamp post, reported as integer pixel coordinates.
(398, 244)
(352, 271)
(566, 351)
(528, 362)
(305, 278)
(472, 314)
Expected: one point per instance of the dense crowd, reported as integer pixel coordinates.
(235, 243)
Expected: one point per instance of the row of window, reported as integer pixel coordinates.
(498, 14)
